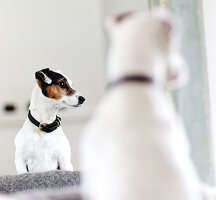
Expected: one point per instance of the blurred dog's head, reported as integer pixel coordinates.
(56, 86)
(150, 41)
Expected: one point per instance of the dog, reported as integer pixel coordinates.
(41, 144)
(135, 146)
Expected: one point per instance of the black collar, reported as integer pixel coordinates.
(48, 128)
(131, 78)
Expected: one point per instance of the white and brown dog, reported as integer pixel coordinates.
(41, 144)
(135, 147)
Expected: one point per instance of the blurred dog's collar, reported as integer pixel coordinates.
(131, 78)
(48, 128)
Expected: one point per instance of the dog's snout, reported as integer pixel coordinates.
(81, 99)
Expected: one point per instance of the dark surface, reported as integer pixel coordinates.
(37, 181)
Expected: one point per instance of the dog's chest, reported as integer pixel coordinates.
(41, 152)
(46, 143)
(42, 146)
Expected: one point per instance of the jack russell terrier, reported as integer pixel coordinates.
(41, 144)
(135, 147)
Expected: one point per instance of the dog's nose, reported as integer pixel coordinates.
(81, 99)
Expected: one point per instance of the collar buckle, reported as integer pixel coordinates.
(41, 126)
(58, 121)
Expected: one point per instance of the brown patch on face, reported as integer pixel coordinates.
(39, 83)
(71, 91)
(61, 79)
(55, 92)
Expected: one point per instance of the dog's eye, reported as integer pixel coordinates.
(62, 84)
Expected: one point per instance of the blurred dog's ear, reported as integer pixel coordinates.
(43, 76)
(112, 21)
(177, 71)
(120, 18)
(168, 24)
(166, 27)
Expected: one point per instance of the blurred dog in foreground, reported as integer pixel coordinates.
(135, 147)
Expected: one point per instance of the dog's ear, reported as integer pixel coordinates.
(177, 71)
(43, 76)
(120, 18)
(113, 21)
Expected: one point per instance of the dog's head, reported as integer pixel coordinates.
(147, 43)
(56, 86)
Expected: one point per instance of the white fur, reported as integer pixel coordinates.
(39, 150)
(135, 147)
(47, 79)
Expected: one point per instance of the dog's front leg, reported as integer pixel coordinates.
(64, 164)
(21, 166)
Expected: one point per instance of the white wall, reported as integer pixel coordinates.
(209, 8)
